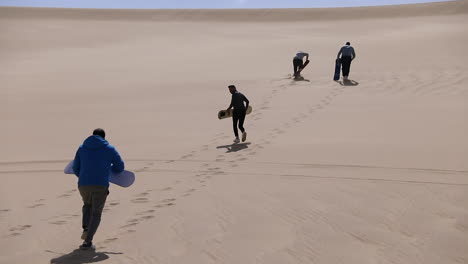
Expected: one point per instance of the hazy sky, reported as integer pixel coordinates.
(204, 3)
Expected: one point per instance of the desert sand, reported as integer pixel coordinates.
(375, 171)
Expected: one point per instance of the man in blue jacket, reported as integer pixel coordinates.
(93, 162)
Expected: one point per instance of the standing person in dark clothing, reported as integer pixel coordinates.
(239, 112)
(347, 55)
(93, 161)
(298, 62)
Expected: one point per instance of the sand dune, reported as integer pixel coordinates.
(374, 171)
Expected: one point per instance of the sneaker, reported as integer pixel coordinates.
(244, 136)
(236, 140)
(84, 235)
(87, 246)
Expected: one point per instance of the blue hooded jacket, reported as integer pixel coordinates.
(93, 161)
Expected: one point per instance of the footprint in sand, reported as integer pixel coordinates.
(109, 240)
(20, 228)
(146, 212)
(167, 189)
(67, 194)
(16, 230)
(188, 192)
(35, 205)
(60, 222)
(140, 200)
(129, 225)
(143, 194)
(4, 211)
(164, 205)
(147, 217)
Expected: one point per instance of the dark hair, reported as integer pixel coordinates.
(347, 43)
(232, 86)
(99, 132)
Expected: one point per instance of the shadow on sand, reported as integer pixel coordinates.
(348, 83)
(235, 147)
(79, 256)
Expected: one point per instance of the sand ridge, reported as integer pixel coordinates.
(241, 15)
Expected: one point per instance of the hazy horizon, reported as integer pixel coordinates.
(206, 4)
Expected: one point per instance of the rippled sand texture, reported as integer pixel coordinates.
(370, 171)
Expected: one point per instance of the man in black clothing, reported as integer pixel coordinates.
(347, 55)
(298, 63)
(238, 114)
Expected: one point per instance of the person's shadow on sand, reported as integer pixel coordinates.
(348, 83)
(234, 147)
(79, 256)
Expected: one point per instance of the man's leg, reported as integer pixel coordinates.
(99, 195)
(241, 126)
(297, 66)
(241, 122)
(346, 62)
(86, 210)
(235, 119)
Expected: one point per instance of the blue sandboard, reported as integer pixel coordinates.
(336, 77)
(123, 179)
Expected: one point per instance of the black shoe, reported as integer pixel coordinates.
(87, 246)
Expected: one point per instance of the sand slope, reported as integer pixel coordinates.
(374, 172)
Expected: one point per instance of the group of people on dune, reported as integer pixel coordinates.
(96, 157)
(345, 56)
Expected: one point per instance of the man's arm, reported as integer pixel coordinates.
(77, 163)
(246, 102)
(339, 53)
(353, 53)
(230, 106)
(118, 164)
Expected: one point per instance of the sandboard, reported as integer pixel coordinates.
(336, 77)
(225, 114)
(123, 179)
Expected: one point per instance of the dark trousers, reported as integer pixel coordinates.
(345, 65)
(297, 64)
(238, 117)
(94, 199)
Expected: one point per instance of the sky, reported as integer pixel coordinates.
(157, 4)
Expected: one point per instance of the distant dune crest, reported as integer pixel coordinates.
(241, 15)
